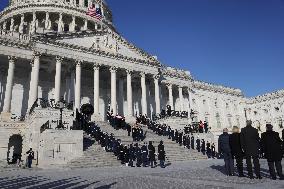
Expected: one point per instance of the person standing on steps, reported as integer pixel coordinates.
(250, 146)
(151, 150)
(144, 150)
(162, 154)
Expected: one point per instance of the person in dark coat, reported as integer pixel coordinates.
(144, 150)
(198, 147)
(180, 136)
(131, 155)
(203, 147)
(192, 142)
(161, 154)
(225, 150)
(283, 134)
(237, 152)
(213, 151)
(126, 155)
(30, 157)
(271, 146)
(151, 150)
(208, 149)
(138, 154)
(250, 146)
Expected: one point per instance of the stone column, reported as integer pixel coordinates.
(113, 71)
(5, 26)
(12, 25)
(9, 85)
(96, 88)
(157, 94)
(180, 98)
(121, 96)
(143, 91)
(171, 99)
(47, 23)
(129, 93)
(21, 27)
(78, 85)
(73, 24)
(57, 79)
(85, 27)
(60, 23)
(34, 79)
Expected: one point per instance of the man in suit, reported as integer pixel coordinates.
(271, 146)
(236, 149)
(250, 146)
(225, 150)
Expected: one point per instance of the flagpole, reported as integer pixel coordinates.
(102, 9)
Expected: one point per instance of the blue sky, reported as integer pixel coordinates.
(237, 43)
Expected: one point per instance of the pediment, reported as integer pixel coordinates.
(108, 42)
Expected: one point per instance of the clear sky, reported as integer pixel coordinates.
(237, 43)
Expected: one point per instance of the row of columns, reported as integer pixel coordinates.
(47, 24)
(33, 93)
(181, 99)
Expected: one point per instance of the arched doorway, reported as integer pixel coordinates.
(14, 148)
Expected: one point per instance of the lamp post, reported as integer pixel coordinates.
(60, 106)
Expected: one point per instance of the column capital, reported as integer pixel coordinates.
(142, 74)
(169, 85)
(158, 76)
(113, 69)
(78, 63)
(12, 58)
(36, 54)
(129, 71)
(59, 58)
(96, 66)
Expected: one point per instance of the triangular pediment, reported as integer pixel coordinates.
(108, 42)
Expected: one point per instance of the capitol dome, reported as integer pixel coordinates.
(42, 16)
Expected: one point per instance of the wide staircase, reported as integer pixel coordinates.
(175, 122)
(95, 156)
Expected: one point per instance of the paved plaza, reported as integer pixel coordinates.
(193, 174)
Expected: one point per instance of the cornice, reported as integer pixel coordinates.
(217, 88)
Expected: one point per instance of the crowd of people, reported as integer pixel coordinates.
(249, 146)
(118, 122)
(130, 155)
(188, 140)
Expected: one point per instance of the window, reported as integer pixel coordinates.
(230, 122)
(280, 123)
(218, 120)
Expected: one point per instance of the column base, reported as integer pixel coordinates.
(5, 116)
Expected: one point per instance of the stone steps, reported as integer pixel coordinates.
(95, 156)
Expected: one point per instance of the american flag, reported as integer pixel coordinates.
(95, 11)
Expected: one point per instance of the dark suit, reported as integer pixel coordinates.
(250, 145)
(271, 146)
(225, 150)
(235, 144)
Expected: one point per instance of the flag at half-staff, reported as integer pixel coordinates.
(95, 11)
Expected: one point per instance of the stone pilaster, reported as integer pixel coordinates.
(157, 94)
(143, 91)
(96, 89)
(113, 106)
(78, 85)
(6, 114)
(57, 88)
